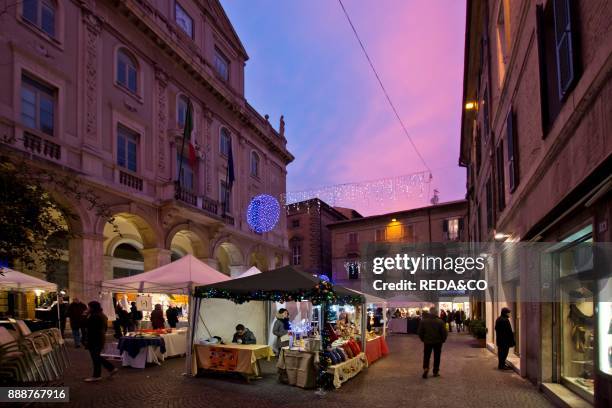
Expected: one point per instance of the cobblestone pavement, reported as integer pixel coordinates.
(468, 379)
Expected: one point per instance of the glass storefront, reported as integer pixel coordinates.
(604, 326)
(575, 342)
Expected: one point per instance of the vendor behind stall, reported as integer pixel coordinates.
(243, 335)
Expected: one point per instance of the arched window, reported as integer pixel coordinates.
(225, 141)
(128, 251)
(254, 164)
(127, 70)
(181, 110)
(41, 13)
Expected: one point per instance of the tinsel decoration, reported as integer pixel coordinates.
(321, 292)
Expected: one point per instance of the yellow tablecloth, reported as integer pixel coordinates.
(240, 358)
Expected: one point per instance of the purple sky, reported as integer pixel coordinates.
(306, 64)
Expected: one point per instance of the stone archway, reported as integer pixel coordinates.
(135, 231)
(259, 260)
(230, 260)
(188, 239)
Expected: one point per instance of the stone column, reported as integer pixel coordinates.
(86, 266)
(155, 257)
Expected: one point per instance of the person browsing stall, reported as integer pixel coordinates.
(280, 329)
(243, 335)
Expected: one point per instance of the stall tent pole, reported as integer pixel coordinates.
(59, 318)
(364, 326)
(190, 332)
(385, 310)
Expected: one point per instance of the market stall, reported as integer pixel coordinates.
(30, 288)
(376, 340)
(253, 298)
(171, 284)
(406, 312)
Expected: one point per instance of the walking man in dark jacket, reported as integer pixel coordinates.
(504, 337)
(76, 314)
(432, 332)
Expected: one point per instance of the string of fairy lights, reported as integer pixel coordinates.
(364, 194)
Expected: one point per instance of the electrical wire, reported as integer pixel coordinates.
(382, 86)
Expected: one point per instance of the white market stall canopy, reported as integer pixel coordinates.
(13, 280)
(176, 277)
(249, 272)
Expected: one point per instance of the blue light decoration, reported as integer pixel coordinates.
(263, 213)
(324, 278)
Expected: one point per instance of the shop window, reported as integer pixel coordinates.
(41, 13)
(352, 238)
(183, 19)
(380, 235)
(37, 105)
(576, 314)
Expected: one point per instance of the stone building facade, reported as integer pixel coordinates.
(100, 89)
(309, 234)
(536, 142)
(443, 222)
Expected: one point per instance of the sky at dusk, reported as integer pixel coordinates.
(305, 63)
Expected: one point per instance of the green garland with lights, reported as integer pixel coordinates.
(324, 379)
(321, 292)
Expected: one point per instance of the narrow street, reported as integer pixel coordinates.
(468, 379)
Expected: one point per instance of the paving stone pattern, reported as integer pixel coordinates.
(468, 379)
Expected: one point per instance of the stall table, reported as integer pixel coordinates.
(342, 372)
(298, 367)
(238, 358)
(138, 351)
(176, 343)
(376, 348)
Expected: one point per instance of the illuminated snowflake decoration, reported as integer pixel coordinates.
(263, 213)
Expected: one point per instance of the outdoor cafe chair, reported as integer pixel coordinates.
(59, 346)
(15, 362)
(46, 343)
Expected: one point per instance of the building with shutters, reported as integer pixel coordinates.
(100, 90)
(536, 143)
(309, 234)
(444, 222)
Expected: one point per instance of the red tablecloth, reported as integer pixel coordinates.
(376, 348)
